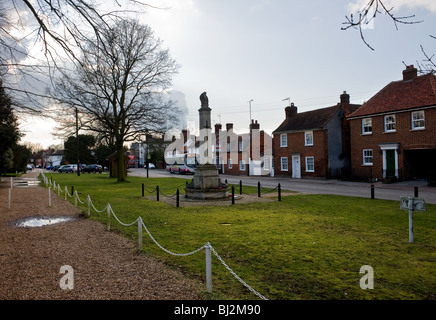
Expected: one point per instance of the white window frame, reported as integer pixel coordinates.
(242, 165)
(367, 154)
(392, 124)
(312, 164)
(367, 126)
(284, 165)
(414, 126)
(230, 162)
(283, 140)
(266, 163)
(308, 142)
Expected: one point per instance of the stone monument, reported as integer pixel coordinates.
(206, 184)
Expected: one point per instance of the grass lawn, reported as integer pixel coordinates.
(304, 247)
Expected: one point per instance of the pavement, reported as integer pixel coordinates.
(392, 191)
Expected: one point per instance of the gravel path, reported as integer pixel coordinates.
(106, 265)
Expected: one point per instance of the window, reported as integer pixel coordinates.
(283, 140)
(240, 146)
(390, 123)
(310, 164)
(242, 165)
(308, 138)
(284, 164)
(266, 164)
(418, 121)
(367, 157)
(230, 163)
(367, 126)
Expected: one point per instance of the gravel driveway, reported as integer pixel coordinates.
(105, 265)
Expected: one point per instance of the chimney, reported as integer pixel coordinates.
(410, 73)
(290, 110)
(254, 125)
(229, 126)
(345, 103)
(218, 127)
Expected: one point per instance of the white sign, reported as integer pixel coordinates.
(418, 204)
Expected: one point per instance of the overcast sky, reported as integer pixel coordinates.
(270, 50)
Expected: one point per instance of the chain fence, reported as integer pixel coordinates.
(141, 225)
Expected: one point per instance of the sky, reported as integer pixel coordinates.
(270, 51)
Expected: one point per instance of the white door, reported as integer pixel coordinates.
(296, 168)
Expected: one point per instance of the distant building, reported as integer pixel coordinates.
(393, 135)
(314, 143)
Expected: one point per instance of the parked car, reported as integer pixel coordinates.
(69, 168)
(93, 168)
(151, 166)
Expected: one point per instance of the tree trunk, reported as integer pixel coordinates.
(121, 173)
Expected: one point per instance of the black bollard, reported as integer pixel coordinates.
(280, 192)
(177, 198)
(372, 191)
(240, 186)
(143, 190)
(72, 190)
(157, 193)
(233, 194)
(258, 189)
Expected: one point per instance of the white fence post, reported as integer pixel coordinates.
(49, 197)
(108, 207)
(66, 191)
(140, 234)
(208, 269)
(9, 202)
(75, 198)
(88, 199)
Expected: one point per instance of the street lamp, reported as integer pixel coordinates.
(249, 102)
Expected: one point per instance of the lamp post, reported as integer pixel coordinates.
(249, 103)
(77, 142)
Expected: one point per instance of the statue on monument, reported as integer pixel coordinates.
(204, 100)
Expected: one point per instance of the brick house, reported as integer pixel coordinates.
(393, 135)
(314, 143)
(243, 154)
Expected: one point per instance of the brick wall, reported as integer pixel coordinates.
(407, 138)
(295, 145)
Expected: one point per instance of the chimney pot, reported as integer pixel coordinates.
(289, 111)
(410, 73)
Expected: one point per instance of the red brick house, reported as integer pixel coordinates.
(314, 143)
(243, 154)
(393, 135)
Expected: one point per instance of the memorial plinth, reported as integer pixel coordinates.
(206, 184)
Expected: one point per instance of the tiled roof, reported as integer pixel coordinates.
(310, 120)
(401, 95)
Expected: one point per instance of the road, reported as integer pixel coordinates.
(347, 188)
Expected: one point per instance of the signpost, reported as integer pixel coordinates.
(412, 204)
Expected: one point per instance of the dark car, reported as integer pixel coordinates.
(93, 168)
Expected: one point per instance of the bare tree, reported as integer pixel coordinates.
(118, 86)
(369, 13)
(58, 28)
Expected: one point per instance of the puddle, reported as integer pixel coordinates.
(34, 222)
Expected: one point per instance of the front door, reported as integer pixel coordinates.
(296, 168)
(390, 163)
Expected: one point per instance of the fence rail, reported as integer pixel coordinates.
(141, 226)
